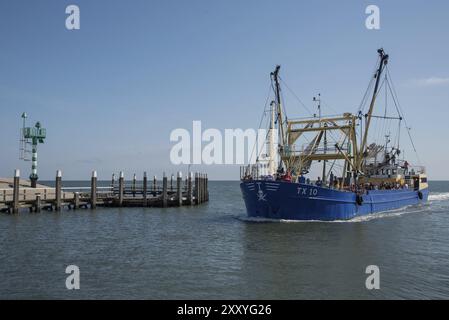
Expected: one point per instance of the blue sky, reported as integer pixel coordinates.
(110, 93)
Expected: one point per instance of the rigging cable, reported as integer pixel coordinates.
(398, 105)
(297, 98)
(261, 120)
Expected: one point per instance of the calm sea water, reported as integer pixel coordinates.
(214, 252)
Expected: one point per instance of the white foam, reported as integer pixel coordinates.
(439, 196)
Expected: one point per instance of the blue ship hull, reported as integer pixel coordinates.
(297, 201)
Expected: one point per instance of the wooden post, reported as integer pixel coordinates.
(189, 189)
(58, 190)
(37, 204)
(15, 205)
(145, 188)
(201, 187)
(93, 190)
(179, 189)
(113, 181)
(206, 189)
(197, 189)
(203, 194)
(171, 183)
(121, 182)
(154, 185)
(164, 191)
(134, 185)
(76, 202)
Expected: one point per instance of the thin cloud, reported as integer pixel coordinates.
(430, 82)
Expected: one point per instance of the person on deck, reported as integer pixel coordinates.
(406, 164)
(287, 177)
(318, 182)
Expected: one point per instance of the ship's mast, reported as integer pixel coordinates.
(277, 88)
(318, 100)
(383, 61)
(271, 138)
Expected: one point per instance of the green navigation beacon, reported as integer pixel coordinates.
(31, 136)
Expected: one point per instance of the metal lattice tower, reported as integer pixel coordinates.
(31, 136)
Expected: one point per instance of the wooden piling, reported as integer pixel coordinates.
(58, 186)
(199, 188)
(15, 203)
(134, 185)
(206, 188)
(196, 188)
(154, 184)
(179, 189)
(203, 193)
(76, 202)
(189, 189)
(37, 204)
(121, 186)
(171, 183)
(145, 188)
(113, 180)
(164, 191)
(203, 189)
(93, 190)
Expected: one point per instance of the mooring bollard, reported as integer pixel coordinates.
(15, 205)
(179, 189)
(189, 189)
(58, 186)
(145, 188)
(164, 191)
(37, 204)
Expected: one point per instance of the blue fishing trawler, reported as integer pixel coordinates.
(356, 178)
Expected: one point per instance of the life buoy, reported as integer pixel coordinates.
(359, 199)
(420, 195)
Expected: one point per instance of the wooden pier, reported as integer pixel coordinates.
(17, 194)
